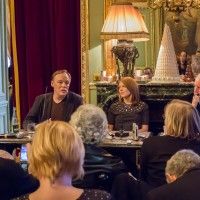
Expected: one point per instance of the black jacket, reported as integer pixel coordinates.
(100, 168)
(41, 109)
(184, 188)
(156, 151)
(14, 181)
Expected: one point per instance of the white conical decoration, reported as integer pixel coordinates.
(166, 66)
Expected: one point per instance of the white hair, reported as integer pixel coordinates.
(181, 162)
(90, 122)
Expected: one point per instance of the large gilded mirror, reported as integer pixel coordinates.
(96, 54)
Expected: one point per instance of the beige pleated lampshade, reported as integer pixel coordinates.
(124, 22)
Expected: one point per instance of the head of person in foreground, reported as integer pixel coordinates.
(90, 122)
(179, 163)
(57, 151)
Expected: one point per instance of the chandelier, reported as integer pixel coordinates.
(176, 6)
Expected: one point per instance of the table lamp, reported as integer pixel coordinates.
(124, 23)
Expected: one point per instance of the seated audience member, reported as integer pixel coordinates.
(196, 96)
(129, 109)
(182, 63)
(56, 157)
(100, 167)
(182, 130)
(58, 105)
(148, 71)
(14, 181)
(183, 175)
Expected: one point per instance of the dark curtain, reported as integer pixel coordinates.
(48, 38)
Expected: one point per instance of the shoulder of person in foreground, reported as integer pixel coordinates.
(152, 140)
(14, 180)
(159, 193)
(153, 143)
(95, 194)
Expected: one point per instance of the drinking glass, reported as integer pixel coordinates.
(31, 128)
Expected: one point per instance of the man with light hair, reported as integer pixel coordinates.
(57, 105)
(183, 177)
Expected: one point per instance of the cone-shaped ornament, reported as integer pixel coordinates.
(166, 66)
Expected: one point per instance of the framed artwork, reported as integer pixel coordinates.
(185, 29)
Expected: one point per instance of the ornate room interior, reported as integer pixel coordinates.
(96, 69)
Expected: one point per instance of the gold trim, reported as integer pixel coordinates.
(15, 60)
(84, 50)
(108, 59)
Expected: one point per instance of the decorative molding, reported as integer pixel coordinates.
(2, 97)
(84, 50)
(3, 108)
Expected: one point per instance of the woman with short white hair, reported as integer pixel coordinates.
(91, 123)
(100, 167)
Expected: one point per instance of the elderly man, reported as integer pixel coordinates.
(183, 175)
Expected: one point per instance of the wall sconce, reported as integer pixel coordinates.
(124, 23)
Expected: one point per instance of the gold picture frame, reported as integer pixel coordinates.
(84, 50)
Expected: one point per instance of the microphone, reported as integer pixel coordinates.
(44, 104)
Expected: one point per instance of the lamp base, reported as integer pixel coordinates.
(126, 52)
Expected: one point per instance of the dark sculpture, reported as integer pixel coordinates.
(126, 52)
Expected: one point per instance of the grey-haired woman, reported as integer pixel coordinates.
(100, 167)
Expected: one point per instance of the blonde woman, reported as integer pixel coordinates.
(56, 157)
(182, 130)
(129, 109)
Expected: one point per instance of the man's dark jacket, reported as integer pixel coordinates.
(41, 109)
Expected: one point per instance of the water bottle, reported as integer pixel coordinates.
(135, 131)
(15, 124)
